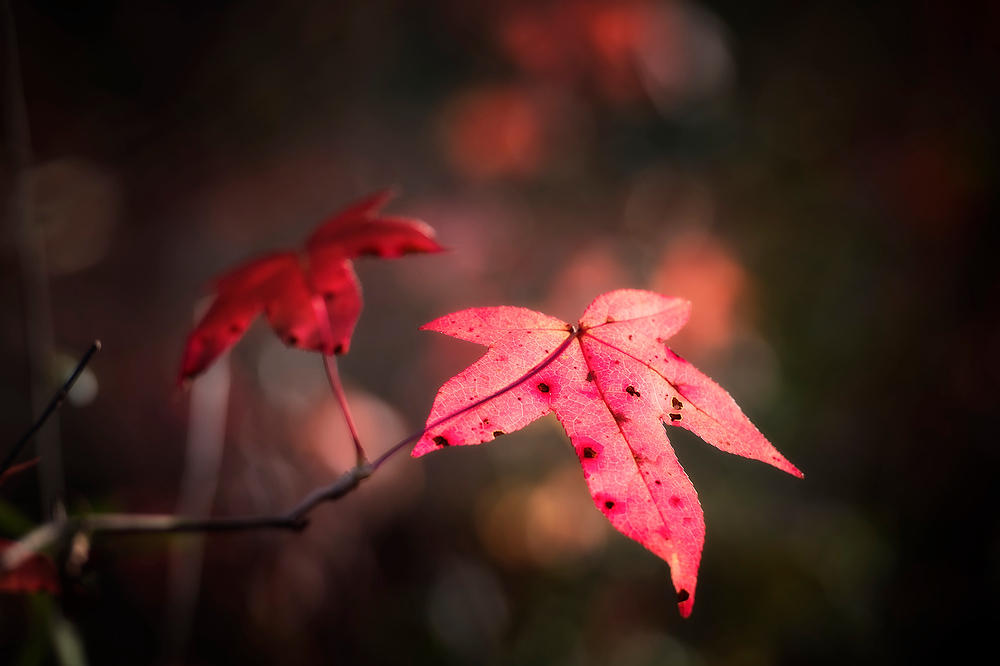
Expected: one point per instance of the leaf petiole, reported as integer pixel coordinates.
(330, 364)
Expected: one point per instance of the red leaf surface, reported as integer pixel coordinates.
(35, 574)
(311, 298)
(613, 384)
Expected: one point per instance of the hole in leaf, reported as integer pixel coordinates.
(543, 387)
(441, 441)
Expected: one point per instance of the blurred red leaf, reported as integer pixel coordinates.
(35, 574)
(613, 384)
(311, 298)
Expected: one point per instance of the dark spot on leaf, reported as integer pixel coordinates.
(609, 504)
(235, 329)
(329, 295)
(630, 337)
(339, 349)
(677, 404)
(441, 441)
(486, 421)
(589, 452)
(675, 501)
(620, 418)
(498, 433)
(292, 340)
(631, 391)
(683, 596)
(543, 387)
(591, 376)
(658, 482)
(609, 320)
(675, 417)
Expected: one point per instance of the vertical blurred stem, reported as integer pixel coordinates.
(205, 443)
(66, 641)
(330, 363)
(34, 281)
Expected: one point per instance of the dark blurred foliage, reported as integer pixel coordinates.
(820, 177)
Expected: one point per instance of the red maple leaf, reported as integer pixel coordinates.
(311, 298)
(37, 573)
(613, 384)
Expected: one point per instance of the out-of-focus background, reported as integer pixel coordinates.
(819, 178)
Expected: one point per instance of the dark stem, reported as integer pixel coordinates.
(330, 363)
(54, 404)
(295, 518)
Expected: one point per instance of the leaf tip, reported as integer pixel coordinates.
(784, 465)
(685, 602)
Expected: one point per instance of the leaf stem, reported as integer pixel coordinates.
(54, 404)
(333, 375)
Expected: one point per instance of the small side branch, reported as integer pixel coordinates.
(295, 519)
(54, 404)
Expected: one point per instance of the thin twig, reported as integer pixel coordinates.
(54, 404)
(17, 469)
(294, 519)
(332, 374)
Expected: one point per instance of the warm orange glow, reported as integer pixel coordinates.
(543, 524)
(593, 269)
(495, 131)
(699, 267)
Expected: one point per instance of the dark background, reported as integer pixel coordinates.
(820, 178)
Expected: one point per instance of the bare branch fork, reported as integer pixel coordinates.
(296, 519)
(54, 404)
